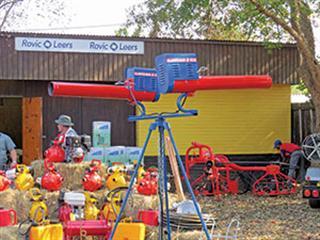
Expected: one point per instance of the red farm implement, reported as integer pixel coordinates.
(220, 176)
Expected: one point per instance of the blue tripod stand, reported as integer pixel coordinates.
(162, 125)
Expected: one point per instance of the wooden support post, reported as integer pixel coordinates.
(175, 170)
(31, 129)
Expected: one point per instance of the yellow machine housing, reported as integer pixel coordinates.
(38, 212)
(46, 232)
(130, 231)
(116, 177)
(91, 211)
(24, 179)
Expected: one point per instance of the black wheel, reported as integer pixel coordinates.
(244, 182)
(314, 203)
(243, 185)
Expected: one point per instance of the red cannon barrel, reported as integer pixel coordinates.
(180, 86)
(222, 82)
(64, 89)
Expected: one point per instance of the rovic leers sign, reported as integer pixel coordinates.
(78, 45)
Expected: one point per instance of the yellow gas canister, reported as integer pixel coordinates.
(24, 179)
(116, 177)
(91, 211)
(46, 232)
(130, 231)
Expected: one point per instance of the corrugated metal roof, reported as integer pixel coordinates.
(220, 57)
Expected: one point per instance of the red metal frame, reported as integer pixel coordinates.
(218, 172)
(87, 228)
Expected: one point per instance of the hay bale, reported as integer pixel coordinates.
(101, 194)
(8, 198)
(20, 202)
(52, 203)
(145, 202)
(11, 232)
(38, 168)
(71, 172)
(17, 200)
(151, 202)
(23, 205)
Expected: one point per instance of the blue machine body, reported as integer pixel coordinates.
(173, 67)
(145, 79)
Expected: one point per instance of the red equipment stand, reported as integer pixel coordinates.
(220, 176)
(84, 228)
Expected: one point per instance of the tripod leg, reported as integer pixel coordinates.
(204, 226)
(134, 175)
(160, 181)
(164, 179)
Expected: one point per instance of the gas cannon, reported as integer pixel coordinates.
(173, 73)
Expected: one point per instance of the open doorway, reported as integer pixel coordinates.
(11, 120)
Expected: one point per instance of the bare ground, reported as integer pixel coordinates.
(261, 218)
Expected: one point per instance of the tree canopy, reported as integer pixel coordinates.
(16, 13)
(262, 20)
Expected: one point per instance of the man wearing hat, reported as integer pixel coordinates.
(294, 153)
(64, 125)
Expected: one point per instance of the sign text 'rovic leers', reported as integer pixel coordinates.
(78, 45)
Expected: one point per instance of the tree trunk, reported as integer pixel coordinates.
(316, 103)
(311, 78)
(310, 69)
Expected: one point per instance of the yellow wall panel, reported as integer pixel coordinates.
(230, 121)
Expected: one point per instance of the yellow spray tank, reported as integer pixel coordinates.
(116, 177)
(41, 228)
(91, 211)
(141, 170)
(24, 179)
(38, 212)
(113, 201)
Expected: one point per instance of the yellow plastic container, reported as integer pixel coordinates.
(47, 232)
(130, 231)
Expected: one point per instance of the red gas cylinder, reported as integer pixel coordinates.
(51, 180)
(149, 217)
(55, 153)
(148, 185)
(90, 227)
(4, 181)
(64, 213)
(92, 181)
